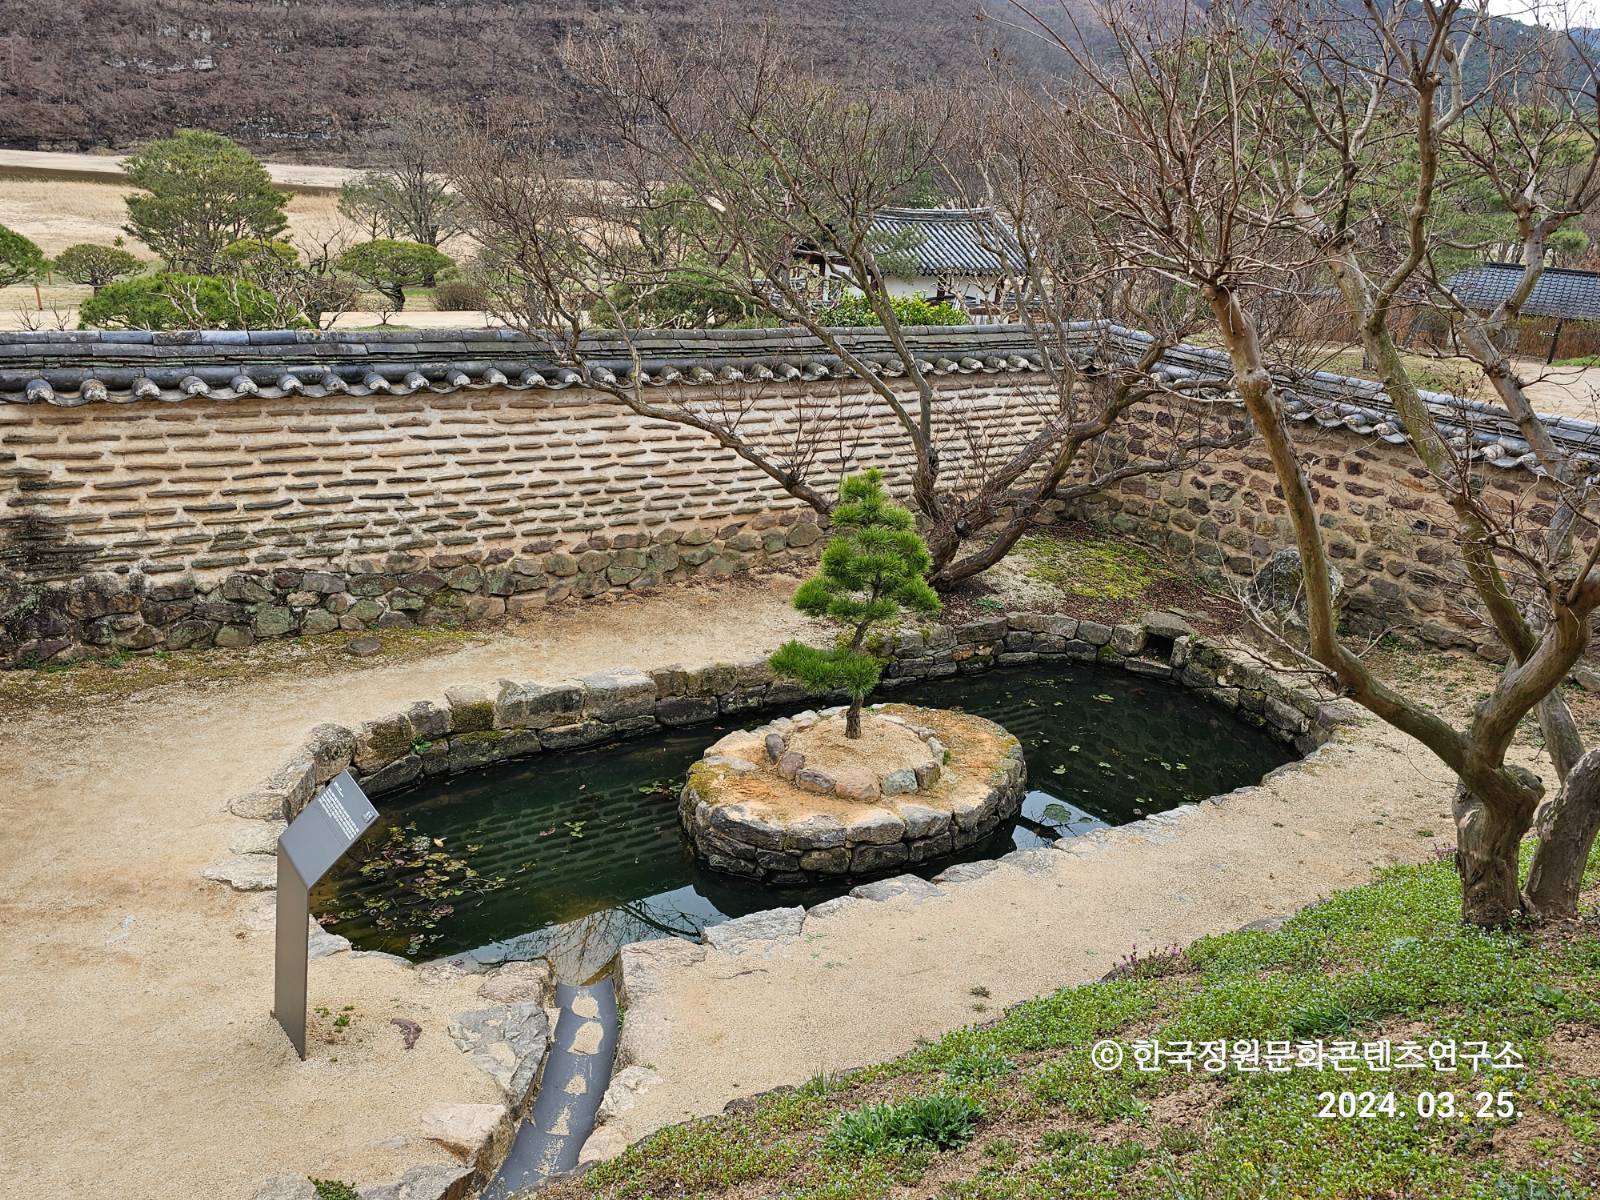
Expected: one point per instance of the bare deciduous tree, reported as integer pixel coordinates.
(1244, 160)
(406, 195)
(733, 167)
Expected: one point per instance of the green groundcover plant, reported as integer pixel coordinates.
(1024, 1108)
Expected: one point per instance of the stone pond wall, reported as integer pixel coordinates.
(482, 724)
(479, 725)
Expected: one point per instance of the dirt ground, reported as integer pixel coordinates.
(58, 207)
(134, 996)
(1564, 391)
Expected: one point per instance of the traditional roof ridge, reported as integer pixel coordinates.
(1519, 268)
(1563, 293)
(918, 213)
(73, 368)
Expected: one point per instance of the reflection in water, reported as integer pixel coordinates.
(570, 856)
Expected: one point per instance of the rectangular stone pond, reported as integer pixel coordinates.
(572, 855)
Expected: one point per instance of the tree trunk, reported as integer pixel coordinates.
(1487, 843)
(852, 718)
(1567, 828)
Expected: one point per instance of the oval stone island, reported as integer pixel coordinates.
(795, 800)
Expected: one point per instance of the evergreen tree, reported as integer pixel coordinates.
(202, 193)
(873, 570)
(20, 259)
(96, 265)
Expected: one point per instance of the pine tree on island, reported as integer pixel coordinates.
(873, 571)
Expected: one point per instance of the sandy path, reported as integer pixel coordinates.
(1565, 391)
(865, 984)
(134, 1030)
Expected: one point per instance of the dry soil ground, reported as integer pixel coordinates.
(134, 1024)
(139, 1055)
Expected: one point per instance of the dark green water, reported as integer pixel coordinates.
(572, 855)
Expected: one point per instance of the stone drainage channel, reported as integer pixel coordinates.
(480, 725)
(576, 1075)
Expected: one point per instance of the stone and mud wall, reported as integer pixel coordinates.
(1389, 534)
(185, 525)
(149, 510)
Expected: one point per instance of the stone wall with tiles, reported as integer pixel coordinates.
(155, 524)
(1388, 532)
(162, 524)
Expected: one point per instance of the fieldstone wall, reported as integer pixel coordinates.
(482, 724)
(195, 523)
(1389, 534)
(198, 522)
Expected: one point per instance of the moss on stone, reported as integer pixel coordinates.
(1096, 568)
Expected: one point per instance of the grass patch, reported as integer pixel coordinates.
(939, 1122)
(1092, 567)
(1017, 1108)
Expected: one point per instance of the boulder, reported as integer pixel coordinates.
(1277, 590)
(463, 1129)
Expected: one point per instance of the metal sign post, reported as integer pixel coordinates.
(314, 841)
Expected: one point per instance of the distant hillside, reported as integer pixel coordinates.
(311, 79)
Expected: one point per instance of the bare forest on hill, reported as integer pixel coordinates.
(316, 81)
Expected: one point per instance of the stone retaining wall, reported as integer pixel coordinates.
(1388, 532)
(479, 725)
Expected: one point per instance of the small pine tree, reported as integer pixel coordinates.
(873, 570)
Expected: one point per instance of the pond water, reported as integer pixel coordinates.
(572, 855)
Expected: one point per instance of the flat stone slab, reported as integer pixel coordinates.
(258, 837)
(838, 904)
(625, 1089)
(1037, 860)
(244, 872)
(965, 872)
(899, 885)
(285, 1187)
(463, 1129)
(756, 933)
(507, 1042)
(322, 943)
(425, 1183)
(517, 982)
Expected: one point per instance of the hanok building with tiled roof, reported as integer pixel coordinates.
(967, 255)
(1561, 317)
